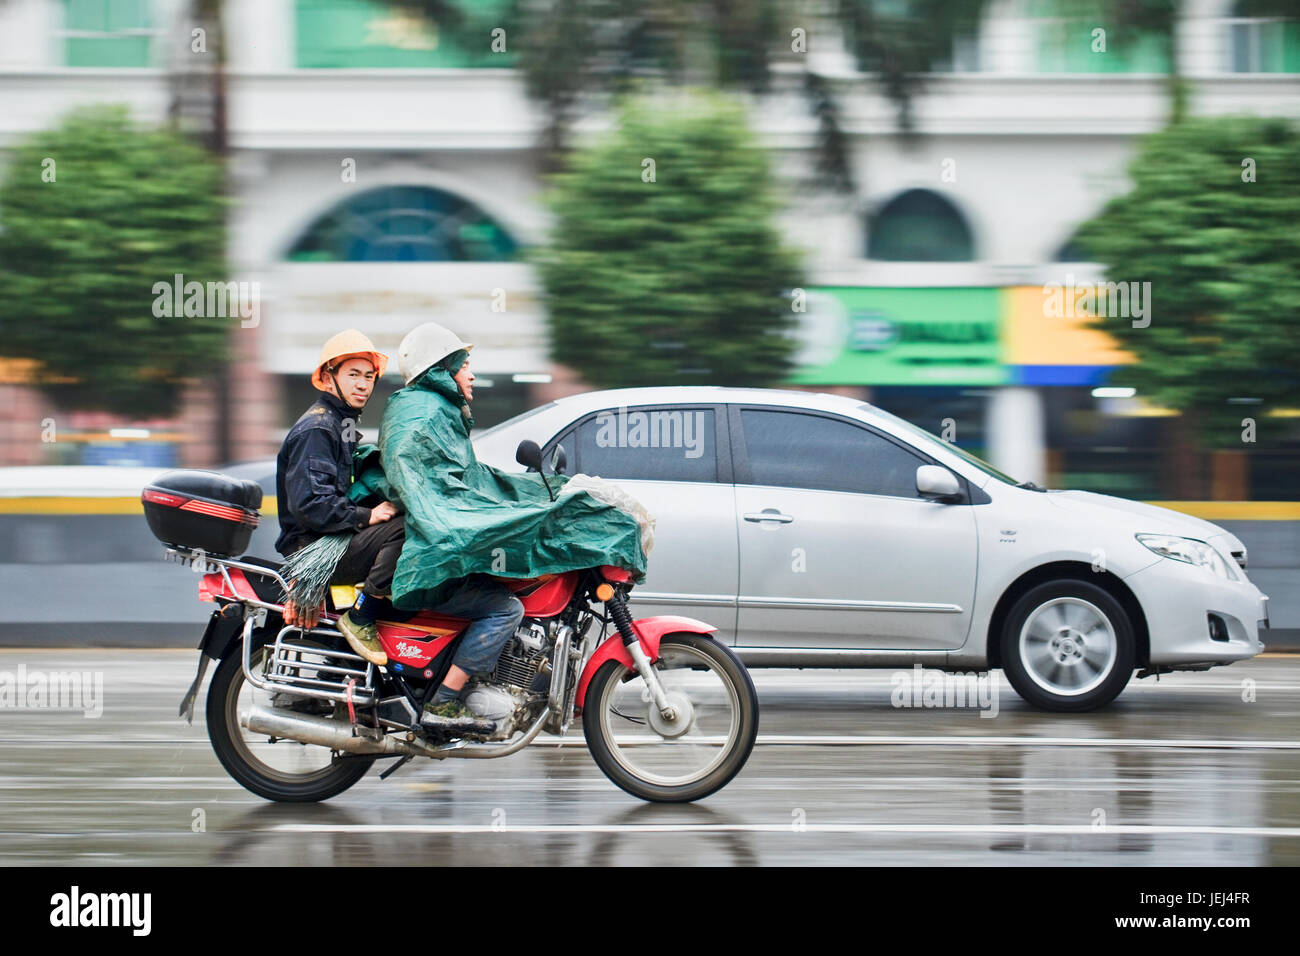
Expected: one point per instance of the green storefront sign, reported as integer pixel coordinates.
(896, 336)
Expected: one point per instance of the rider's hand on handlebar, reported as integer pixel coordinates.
(382, 512)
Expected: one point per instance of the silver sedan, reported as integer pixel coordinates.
(815, 530)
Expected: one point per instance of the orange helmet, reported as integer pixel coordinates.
(347, 344)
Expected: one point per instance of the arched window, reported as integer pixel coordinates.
(919, 226)
(405, 224)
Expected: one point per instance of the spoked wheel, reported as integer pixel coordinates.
(285, 770)
(695, 753)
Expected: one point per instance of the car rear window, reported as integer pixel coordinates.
(650, 444)
(794, 450)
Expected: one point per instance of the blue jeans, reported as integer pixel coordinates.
(496, 614)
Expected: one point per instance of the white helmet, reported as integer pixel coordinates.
(425, 346)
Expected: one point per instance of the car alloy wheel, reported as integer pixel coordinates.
(1068, 646)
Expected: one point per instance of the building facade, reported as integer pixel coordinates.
(384, 172)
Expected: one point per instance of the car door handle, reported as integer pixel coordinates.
(768, 516)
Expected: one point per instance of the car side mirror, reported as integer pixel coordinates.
(559, 460)
(937, 482)
(529, 455)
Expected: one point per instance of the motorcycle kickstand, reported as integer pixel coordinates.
(396, 767)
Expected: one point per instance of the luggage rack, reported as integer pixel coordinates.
(308, 671)
(325, 674)
(204, 563)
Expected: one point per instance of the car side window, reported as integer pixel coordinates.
(793, 450)
(652, 444)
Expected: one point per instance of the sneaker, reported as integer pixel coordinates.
(449, 710)
(453, 715)
(364, 639)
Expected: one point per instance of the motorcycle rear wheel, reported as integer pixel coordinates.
(665, 763)
(300, 773)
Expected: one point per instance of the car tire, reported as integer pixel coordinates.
(1068, 646)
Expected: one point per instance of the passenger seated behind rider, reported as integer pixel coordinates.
(313, 473)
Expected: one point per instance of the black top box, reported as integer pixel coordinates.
(202, 510)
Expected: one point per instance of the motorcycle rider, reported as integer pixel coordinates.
(494, 611)
(314, 470)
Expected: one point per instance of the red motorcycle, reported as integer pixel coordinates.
(668, 712)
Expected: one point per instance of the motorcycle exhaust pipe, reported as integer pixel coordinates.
(323, 732)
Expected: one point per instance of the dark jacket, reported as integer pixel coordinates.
(313, 473)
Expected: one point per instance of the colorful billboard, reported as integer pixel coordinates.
(948, 336)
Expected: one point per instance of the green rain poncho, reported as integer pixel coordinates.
(463, 516)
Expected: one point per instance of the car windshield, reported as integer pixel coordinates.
(929, 439)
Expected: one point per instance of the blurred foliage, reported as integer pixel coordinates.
(79, 258)
(901, 42)
(1265, 8)
(1223, 259)
(680, 281)
(574, 52)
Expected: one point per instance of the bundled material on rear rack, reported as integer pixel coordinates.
(203, 510)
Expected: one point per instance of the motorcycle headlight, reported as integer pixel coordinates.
(1190, 551)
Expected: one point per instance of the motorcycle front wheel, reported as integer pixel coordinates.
(691, 756)
(285, 771)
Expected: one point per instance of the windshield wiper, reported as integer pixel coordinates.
(1032, 486)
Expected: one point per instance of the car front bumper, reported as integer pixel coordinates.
(1178, 600)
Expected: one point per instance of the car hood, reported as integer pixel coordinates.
(1147, 518)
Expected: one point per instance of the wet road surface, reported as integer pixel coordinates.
(1199, 769)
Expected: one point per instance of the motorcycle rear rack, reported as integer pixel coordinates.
(332, 670)
(207, 564)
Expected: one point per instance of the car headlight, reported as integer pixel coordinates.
(1189, 550)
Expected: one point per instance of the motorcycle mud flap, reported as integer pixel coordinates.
(222, 627)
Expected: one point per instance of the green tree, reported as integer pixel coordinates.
(576, 53)
(665, 267)
(1210, 223)
(83, 242)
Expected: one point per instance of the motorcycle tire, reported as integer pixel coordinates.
(232, 749)
(613, 706)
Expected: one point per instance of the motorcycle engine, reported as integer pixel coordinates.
(502, 696)
(522, 658)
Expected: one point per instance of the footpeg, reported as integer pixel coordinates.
(458, 725)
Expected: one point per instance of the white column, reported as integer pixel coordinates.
(27, 40)
(260, 35)
(1016, 432)
(1202, 37)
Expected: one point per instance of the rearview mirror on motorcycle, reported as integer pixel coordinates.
(529, 455)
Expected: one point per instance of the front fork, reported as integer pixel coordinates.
(617, 605)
